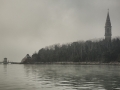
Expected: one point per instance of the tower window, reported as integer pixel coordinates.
(107, 30)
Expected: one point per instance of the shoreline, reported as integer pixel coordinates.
(75, 63)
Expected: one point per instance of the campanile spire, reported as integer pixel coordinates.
(108, 28)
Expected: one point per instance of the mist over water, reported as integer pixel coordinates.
(26, 26)
(59, 77)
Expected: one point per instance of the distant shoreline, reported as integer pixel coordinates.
(70, 63)
(75, 63)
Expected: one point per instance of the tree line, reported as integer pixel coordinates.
(79, 51)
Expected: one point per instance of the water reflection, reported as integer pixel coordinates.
(74, 77)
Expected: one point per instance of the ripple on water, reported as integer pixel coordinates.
(116, 88)
(54, 77)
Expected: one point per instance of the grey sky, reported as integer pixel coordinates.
(29, 25)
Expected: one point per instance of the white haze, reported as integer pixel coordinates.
(29, 25)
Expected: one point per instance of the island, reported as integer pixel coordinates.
(80, 52)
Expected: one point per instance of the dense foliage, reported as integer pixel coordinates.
(89, 51)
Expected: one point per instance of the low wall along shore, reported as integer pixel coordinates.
(77, 63)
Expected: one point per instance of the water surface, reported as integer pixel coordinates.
(59, 77)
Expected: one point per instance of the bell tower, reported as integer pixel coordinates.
(108, 28)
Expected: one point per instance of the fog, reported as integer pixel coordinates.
(27, 26)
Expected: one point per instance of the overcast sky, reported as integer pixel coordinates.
(29, 25)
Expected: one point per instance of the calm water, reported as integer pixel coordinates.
(59, 77)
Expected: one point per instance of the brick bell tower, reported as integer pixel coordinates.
(108, 28)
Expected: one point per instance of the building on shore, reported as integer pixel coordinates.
(5, 61)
